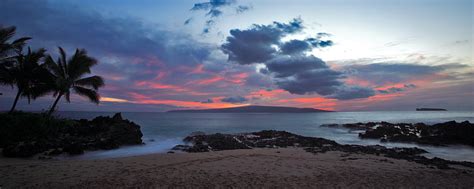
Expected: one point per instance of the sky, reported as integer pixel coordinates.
(356, 55)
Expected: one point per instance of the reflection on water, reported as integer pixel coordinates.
(162, 131)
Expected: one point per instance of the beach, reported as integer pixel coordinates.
(249, 168)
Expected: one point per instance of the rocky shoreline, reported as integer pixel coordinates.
(27, 135)
(441, 134)
(200, 142)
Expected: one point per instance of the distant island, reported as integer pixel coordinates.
(253, 109)
(431, 109)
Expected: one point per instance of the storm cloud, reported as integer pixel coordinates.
(291, 68)
(255, 45)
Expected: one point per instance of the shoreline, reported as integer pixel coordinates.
(253, 168)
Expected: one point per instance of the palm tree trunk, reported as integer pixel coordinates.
(16, 101)
(55, 103)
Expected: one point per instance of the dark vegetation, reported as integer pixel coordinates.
(28, 134)
(34, 73)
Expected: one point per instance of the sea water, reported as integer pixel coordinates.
(162, 131)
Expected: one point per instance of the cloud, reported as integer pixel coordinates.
(321, 81)
(208, 101)
(212, 4)
(352, 92)
(392, 90)
(381, 73)
(80, 28)
(295, 46)
(286, 66)
(215, 9)
(235, 99)
(255, 45)
(129, 51)
(242, 8)
(187, 21)
(291, 68)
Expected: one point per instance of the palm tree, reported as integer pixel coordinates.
(7, 51)
(69, 74)
(6, 48)
(26, 73)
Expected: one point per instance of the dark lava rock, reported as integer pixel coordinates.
(446, 133)
(272, 139)
(215, 142)
(262, 139)
(181, 147)
(22, 149)
(76, 137)
(74, 149)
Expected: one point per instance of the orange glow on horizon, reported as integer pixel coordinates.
(142, 99)
(110, 99)
(313, 102)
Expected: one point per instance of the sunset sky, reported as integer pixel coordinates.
(343, 55)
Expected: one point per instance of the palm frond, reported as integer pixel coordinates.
(63, 60)
(80, 64)
(53, 66)
(7, 33)
(92, 95)
(93, 81)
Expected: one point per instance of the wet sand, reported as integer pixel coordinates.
(255, 168)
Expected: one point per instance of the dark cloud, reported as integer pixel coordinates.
(235, 99)
(321, 81)
(117, 43)
(212, 4)
(187, 21)
(286, 66)
(301, 46)
(287, 62)
(242, 8)
(352, 92)
(79, 28)
(214, 13)
(214, 9)
(208, 101)
(295, 46)
(397, 89)
(255, 45)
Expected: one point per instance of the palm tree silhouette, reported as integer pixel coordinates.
(69, 74)
(7, 51)
(6, 48)
(26, 73)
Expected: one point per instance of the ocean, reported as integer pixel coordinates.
(162, 131)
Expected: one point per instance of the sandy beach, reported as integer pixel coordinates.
(254, 168)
